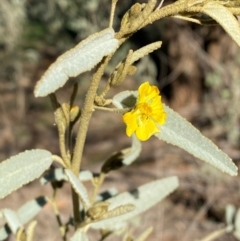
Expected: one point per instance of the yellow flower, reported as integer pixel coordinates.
(147, 114)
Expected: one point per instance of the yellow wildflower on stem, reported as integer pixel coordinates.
(148, 113)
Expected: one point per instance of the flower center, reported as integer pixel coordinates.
(144, 109)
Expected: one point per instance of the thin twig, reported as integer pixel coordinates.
(54, 101)
(115, 110)
(167, 11)
(63, 149)
(74, 93)
(113, 7)
(99, 183)
(215, 234)
(105, 91)
(56, 211)
(71, 125)
(59, 160)
(75, 202)
(160, 5)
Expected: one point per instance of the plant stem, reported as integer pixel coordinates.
(170, 10)
(167, 11)
(74, 94)
(56, 212)
(76, 209)
(97, 187)
(107, 88)
(113, 6)
(115, 110)
(59, 160)
(86, 114)
(215, 234)
(63, 149)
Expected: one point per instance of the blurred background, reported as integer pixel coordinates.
(197, 72)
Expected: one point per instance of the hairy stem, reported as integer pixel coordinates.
(115, 110)
(98, 184)
(167, 11)
(114, 2)
(86, 114)
(63, 149)
(105, 91)
(59, 160)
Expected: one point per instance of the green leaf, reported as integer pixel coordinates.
(23, 215)
(229, 214)
(22, 169)
(180, 132)
(12, 219)
(236, 232)
(142, 198)
(107, 194)
(58, 174)
(134, 151)
(125, 99)
(31, 208)
(4, 232)
(81, 58)
(78, 187)
(225, 18)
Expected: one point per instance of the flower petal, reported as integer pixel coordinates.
(159, 117)
(147, 92)
(146, 130)
(130, 119)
